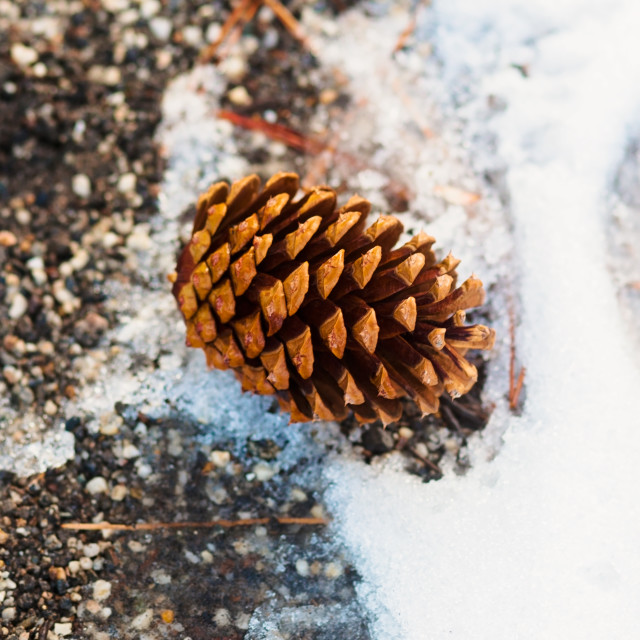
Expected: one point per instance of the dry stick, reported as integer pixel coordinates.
(409, 29)
(236, 33)
(515, 387)
(300, 142)
(432, 465)
(152, 526)
(291, 24)
(235, 17)
(274, 131)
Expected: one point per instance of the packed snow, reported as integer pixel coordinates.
(540, 542)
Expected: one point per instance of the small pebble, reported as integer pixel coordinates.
(143, 620)
(101, 590)
(7, 239)
(85, 563)
(11, 374)
(81, 185)
(302, 567)
(50, 408)
(22, 55)
(405, 433)
(222, 618)
(127, 182)
(206, 556)
(240, 96)
(135, 546)
(192, 35)
(119, 493)
(108, 76)
(333, 570)
(97, 485)
(18, 307)
(220, 458)
(62, 628)
(149, 8)
(9, 614)
(130, 451)
(213, 32)
(263, 472)
(167, 616)
(234, 68)
(74, 567)
(91, 550)
(161, 28)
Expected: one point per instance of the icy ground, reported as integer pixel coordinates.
(530, 106)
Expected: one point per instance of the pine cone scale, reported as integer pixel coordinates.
(300, 300)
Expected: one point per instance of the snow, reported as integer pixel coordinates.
(542, 540)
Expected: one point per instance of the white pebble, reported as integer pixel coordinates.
(80, 259)
(97, 485)
(333, 570)
(62, 628)
(127, 182)
(143, 620)
(234, 68)
(263, 472)
(8, 614)
(220, 458)
(18, 307)
(22, 55)
(101, 590)
(85, 563)
(240, 96)
(192, 35)
(109, 76)
(130, 451)
(302, 567)
(12, 375)
(119, 493)
(81, 185)
(213, 32)
(206, 556)
(222, 618)
(149, 8)
(136, 547)
(161, 27)
(74, 567)
(50, 408)
(91, 550)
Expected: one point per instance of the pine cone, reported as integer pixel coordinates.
(302, 301)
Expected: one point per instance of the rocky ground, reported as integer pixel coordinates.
(80, 172)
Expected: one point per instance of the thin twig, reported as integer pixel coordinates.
(432, 465)
(209, 524)
(410, 28)
(236, 16)
(288, 20)
(515, 386)
(274, 131)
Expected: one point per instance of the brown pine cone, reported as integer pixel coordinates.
(301, 300)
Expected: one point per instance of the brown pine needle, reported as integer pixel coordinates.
(209, 524)
(515, 386)
(236, 16)
(274, 131)
(407, 32)
(288, 20)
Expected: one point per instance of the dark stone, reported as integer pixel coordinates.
(377, 440)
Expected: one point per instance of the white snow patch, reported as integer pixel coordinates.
(542, 541)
